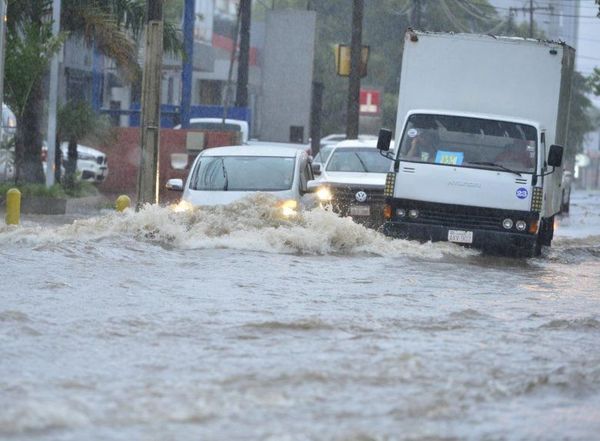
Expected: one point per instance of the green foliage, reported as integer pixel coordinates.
(29, 50)
(580, 120)
(39, 190)
(77, 121)
(594, 81)
(81, 189)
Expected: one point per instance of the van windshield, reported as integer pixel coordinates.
(215, 126)
(243, 173)
(469, 142)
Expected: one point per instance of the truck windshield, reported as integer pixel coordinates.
(358, 160)
(470, 142)
(243, 173)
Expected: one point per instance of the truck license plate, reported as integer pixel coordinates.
(460, 236)
(360, 210)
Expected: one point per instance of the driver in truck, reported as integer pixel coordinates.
(422, 146)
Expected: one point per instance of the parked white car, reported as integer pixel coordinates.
(9, 124)
(92, 164)
(237, 125)
(223, 175)
(353, 179)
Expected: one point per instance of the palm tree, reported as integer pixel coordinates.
(112, 26)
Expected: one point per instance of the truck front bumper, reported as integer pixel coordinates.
(487, 240)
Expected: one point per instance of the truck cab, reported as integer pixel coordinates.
(473, 179)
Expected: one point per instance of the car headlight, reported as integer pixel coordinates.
(324, 194)
(289, 207)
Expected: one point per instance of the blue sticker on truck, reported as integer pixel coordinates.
(522, 193)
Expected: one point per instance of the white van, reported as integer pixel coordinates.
(223, 175)
(234, 125)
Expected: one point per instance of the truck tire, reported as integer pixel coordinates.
(546, 233)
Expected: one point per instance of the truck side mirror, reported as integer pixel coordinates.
(555, 155)
(316, 168)
(384, 139)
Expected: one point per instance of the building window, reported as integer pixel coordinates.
(209, 92)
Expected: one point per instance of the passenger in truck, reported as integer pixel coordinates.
(516, 154)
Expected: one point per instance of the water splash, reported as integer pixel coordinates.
(254, 223)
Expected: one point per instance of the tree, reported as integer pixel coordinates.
(76, 121)
(112, 26)
(594, 81)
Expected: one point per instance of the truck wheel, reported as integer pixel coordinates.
(546, 233)
(537, 247)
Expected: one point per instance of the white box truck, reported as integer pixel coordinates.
(481, 129)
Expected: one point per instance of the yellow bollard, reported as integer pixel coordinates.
(13, 207)
(123, 202)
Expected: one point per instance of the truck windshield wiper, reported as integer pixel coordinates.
(226, 185)
(493, 164)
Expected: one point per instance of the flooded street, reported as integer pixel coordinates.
(229, 324)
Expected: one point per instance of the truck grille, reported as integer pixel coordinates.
(461, 221)
(459, 216)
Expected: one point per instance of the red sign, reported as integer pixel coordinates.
(369, 102)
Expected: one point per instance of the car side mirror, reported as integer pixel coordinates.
(316, 168)
(384, 140)
(174, 184)
(555, 155)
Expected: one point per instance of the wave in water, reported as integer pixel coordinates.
(252, 224)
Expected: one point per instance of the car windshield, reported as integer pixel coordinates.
(243, 173)
(360, 160)
(469, 142)
(323, 154)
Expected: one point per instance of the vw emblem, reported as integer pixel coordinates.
(360, 196)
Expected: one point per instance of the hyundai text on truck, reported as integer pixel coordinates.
(481, 130)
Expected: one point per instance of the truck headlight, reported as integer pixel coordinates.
(289, 207)
(507, 223)
(521, 225)
(400, 212)
(413, 214)
(324, 194)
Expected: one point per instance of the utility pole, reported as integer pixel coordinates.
(530, 10)
(415, 14)
(2, 46)
(241, 98)
(188, 63)
(227, 95)
(147, 188)
(52, 100)
(355, 62)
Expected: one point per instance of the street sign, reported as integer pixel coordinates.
(370, 100)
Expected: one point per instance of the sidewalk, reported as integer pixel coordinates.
(77, 208)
